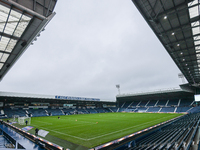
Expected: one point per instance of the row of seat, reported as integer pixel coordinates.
(155, 103)
(182, 134)
(57, 112)
(50, 112)
(188, 109)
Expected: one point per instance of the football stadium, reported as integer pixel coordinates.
(154, 120)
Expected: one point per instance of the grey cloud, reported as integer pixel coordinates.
(88, 48)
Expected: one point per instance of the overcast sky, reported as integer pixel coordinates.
(88, 48)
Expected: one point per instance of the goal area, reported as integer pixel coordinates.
(23, 120)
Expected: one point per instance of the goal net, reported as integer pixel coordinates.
(14, 118)
(24, 120)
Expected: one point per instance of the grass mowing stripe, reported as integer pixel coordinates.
(69, 135)
(91, 130)
(61, 133)
(74, 126)
(44, 122)
(141, 125)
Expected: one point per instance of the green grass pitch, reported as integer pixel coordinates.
(91, 130)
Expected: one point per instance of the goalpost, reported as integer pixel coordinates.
(22, 120)
(14, 118)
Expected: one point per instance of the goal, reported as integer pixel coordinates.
(14, 118)
(22, 120)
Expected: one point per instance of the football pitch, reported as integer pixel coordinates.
(90, 130)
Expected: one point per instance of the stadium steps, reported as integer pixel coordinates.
(86, 111)
(192, 103)
(138, 104)
(160, 109)
(130, 104)
(151, 103)
(179, 102)
(156, 103)
(110, 109)
(122, 105)
(175, 109)
(147, 103)
(167, 103)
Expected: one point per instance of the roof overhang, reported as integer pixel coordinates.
(176, 23)
(173, 93)
(20, 24)
(13, 96)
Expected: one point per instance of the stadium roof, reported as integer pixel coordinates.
(18, 96)
(20, 24)
(174, 93)
(176, 24)
(169, 90)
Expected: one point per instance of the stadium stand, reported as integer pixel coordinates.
(180, 134)
(91, 110)
(66, 111)
(166, 106)
(162, 102)
(100, 110)
(122, 104)
(14, 111)
(54, 112)
(173, 103)
(122, 110)
(126, 104)
(134, 104)
(139, 106)
(167, 109)
(141, 109)
(112, 109)
(107, 110)
(142, 103)
(152, 103)
(36, 112)
(153, 109)
(186, 102)
(194, 109)
(182, 109)
(82, 111)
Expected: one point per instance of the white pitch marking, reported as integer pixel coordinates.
(100, 135)
(64, 134)
(122, 129)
